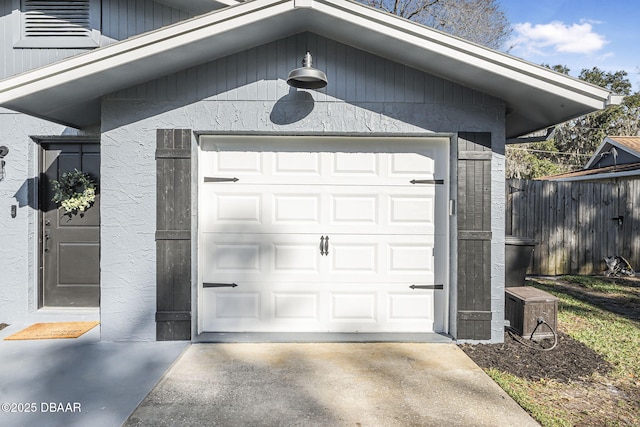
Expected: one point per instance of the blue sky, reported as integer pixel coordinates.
(577, 33)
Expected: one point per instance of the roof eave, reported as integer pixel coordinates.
(536, 96)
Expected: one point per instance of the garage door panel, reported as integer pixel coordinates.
(405, 307)
(296, 164)
(237, 163)
(353, 258)
(237, 305)
(353, 209)
(412, 164)
(410, 258)
(411, 209)
(295, 208)
(295, 306)
(236, 257)
(287, 309)
(342, 168)
(361, 307)
(238, 208)
(295, 258)
(232, 209)
(347, 165)
(275, 205)
(250, 258)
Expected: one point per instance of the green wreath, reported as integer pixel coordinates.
(74, 191)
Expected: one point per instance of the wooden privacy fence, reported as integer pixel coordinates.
(575, 224)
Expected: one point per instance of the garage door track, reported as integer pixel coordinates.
(327, 384)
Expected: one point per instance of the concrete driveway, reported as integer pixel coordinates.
(327, 384)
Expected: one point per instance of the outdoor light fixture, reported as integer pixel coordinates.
(307, 77)
(3, 152)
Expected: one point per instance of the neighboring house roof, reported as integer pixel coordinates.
(609, 172)
(592, 171)
(629, 144)
(69, 91)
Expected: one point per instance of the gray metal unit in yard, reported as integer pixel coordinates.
(524, 305)
(518, 255)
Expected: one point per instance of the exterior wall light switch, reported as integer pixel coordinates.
(14, 211)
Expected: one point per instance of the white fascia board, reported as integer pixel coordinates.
(198, 7)
(227, 2)
(466, 52)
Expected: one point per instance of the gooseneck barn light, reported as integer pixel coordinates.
(307, 77)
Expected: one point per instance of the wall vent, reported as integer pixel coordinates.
(57, 18)
(47, 23)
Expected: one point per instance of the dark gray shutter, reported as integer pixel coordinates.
(474, 236)
(173, 235)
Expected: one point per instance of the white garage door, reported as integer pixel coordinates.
(323, 234)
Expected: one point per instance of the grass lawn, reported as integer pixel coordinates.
(604, 314)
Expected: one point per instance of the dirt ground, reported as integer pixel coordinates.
(572, 376)
(570, 360)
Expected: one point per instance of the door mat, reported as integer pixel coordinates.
(46, 331)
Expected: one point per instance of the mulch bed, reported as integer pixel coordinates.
(570, 360)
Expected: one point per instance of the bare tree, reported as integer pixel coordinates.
(479, 21)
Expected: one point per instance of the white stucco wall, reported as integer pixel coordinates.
(206, 99)
(498, 221)
(128, 179)
(18, 244)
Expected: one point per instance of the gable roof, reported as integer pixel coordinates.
(630, 144)
(69, 91)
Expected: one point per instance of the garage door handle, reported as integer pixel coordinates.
(324, 245)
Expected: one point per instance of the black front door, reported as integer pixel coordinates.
(70, 243)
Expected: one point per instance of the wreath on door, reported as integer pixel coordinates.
(75, 192)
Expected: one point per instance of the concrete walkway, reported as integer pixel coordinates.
(77, 382)
(320, 384)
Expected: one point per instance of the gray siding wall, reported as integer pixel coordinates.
(120, 20)
(247, 92)
(259, 74)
